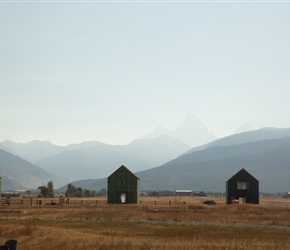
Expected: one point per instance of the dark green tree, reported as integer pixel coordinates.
(87, 193)
(46, 191)
(71, 191)
(43, 191)
(50, 191)
(79, 192)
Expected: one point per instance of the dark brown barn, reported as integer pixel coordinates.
(243, 187)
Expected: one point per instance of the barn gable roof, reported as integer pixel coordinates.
(242, 172)
(123, 168)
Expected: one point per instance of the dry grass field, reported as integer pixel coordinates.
(153, 224)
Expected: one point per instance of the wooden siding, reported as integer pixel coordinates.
(250, 194)
(123, 181)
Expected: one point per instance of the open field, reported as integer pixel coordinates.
(153, 224)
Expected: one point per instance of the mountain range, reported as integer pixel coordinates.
(37, 150)
(192, 132)
(81, 161)
(97, 159)
(264, 153)
(18, 173)
(101, 161)
(162, 160)
(209, 169)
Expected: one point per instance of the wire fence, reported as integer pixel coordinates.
(49, 201)
(29, 201)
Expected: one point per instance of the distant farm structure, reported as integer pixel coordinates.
(183, 192)
(242, 188)
(123, 187)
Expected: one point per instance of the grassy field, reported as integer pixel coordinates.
(153, 224)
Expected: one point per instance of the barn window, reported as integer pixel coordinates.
(242, 185)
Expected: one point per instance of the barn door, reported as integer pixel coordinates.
(122, 197)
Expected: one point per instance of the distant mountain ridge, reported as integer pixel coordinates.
(246, 127)
(166, 163)
(192, 132)
(264, 153)
(18, 173)
(36, 150)
(208, 169)
(94, 159)
(100, 161)
(245, 137)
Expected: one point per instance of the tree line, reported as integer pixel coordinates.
(47, 191)
(73, 191)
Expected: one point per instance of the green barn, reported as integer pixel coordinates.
(123, 187)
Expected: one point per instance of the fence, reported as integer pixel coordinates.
(157, 202)
(48, 201)
(77, 201)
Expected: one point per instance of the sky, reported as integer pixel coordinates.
(114, 71)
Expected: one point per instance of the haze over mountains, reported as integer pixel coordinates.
(101, 161)
(264, 153)
(192, 132)
(37, 150)
(208, 169)
(162, 160)
(246, 127)
(97, 159)
(18, 173)
(89, 159)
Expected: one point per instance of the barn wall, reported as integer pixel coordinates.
(251, 194)
(123, 181)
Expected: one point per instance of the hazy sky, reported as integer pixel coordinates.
(76, 71)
